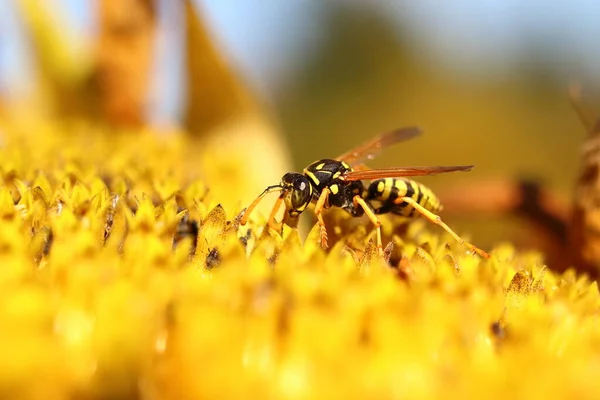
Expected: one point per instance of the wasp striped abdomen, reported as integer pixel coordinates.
(388, 196)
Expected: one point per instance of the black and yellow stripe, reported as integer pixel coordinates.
(389, 192)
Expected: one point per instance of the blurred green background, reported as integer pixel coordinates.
(487, 81)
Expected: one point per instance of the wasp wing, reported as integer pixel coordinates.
(399, 172)
(371, 148)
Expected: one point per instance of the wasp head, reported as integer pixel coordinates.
(298, 192)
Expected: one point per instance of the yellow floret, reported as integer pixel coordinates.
(108, 291)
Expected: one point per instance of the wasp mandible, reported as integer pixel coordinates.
(338, 182)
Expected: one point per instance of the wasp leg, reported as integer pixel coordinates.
(319, 213)
(246, 215)
(436, 219)
(357, 200)
(272, 223)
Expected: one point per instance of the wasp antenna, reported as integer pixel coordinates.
(257, 200)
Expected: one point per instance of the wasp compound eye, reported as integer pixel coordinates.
(301, 193)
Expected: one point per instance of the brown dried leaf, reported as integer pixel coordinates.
(125, 52)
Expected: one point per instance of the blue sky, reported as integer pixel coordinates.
(491, 33)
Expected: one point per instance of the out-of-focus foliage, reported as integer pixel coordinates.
(110, 86)
(365, 77)
(584, 243)
(103, 298)
(228, 121)
(123, 58)
(63, 66)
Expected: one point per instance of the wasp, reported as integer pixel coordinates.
(338, 182)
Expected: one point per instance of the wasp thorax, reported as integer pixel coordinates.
(299, 192)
